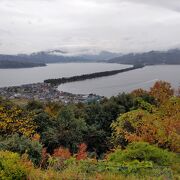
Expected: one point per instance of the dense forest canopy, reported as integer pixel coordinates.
(135, 134)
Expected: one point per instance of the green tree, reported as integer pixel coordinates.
(67, 131)
(143, 151)
(21, 145)
(34, 105)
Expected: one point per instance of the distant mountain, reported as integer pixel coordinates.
(6, 64)
(58, 56)
(86, 55)
(149, 58)
(63, 56)
(103, 55)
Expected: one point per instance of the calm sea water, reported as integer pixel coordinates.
(126, 82)
(106, 86)
(13, 77)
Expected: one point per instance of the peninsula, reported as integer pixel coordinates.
(90, 76)
(6, 64)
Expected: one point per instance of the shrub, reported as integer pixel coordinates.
(142, 151)
(57, 160)
(86, 167)
(11, 167)
(82, 152)
(61, 152)
(21, 145)
(34, 105)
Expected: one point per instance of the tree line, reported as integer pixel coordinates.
(133, 133)
(90, 76)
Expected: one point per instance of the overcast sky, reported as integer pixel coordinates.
(117, 25)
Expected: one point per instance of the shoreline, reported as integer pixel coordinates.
(45, 92)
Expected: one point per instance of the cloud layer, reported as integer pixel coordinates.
(116, 25)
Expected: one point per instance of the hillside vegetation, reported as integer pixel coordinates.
(149, 58)
(6, 64)
(129, 136)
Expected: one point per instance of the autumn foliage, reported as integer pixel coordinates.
(82, 152)
(14, 119)
(36, 137)
(139, 131)
(61, 152)
(160, 127)
(139, 92)
(162, 91)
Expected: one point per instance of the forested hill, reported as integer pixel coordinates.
(18, 64)
(131, 136)
(57, 56)
(149, 58)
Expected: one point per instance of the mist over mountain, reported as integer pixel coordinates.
(59, 56)
(149, 58)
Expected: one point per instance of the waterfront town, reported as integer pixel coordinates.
(45, 92)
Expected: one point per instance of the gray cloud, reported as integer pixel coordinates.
(169, 4)
(117, 25)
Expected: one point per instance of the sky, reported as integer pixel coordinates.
(123, 26)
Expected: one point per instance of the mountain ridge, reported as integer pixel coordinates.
(6, 64)
(171, 56)
(58, 56)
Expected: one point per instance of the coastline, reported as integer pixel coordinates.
(45, 92)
